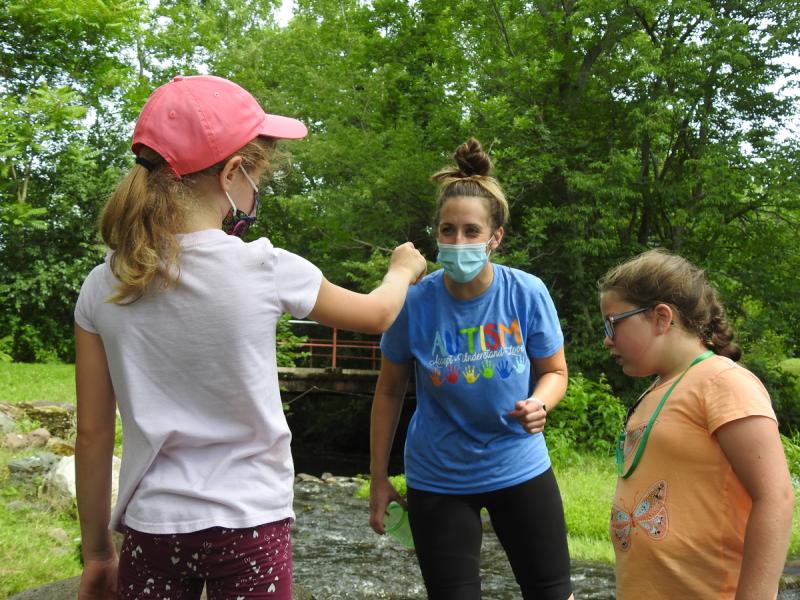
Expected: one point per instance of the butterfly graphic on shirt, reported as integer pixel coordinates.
(649, 515)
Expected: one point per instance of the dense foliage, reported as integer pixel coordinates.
(588, 420)
(614, 126)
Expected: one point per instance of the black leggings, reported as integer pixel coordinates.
(529, 522)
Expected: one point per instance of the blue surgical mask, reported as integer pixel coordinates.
(462, 262)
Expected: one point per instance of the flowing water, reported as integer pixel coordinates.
(338, 557)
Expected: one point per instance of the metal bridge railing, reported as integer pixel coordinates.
(331, 347)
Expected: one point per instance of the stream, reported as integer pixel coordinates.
(337, 555)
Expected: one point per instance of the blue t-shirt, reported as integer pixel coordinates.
(472, 364)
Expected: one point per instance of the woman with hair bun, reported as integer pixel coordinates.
(703, 505)
(486, 348)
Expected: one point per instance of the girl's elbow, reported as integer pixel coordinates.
(87, 437)
(779, 501)
(382, 319)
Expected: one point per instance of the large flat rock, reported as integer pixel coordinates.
(67, 589)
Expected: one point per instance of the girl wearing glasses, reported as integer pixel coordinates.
(703, 505)
(177, 330)
(485, 346)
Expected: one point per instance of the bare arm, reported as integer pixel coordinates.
(386, 407)
(754, 449)
(94, 448)
(551, 385)
(376, 311)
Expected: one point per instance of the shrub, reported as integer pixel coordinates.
(588, 419)
(289, 344)
(398, 481)
(784, 390)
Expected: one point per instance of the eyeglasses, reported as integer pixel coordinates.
(608, 322)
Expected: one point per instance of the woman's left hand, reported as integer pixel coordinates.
(531, 414)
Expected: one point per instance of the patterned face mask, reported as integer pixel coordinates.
(237, 222)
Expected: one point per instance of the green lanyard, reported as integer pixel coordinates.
(649, 427)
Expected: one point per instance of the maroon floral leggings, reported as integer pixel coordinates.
(235, 564)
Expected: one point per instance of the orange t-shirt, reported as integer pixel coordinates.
(678, 521)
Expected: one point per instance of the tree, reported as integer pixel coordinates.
(60, 66)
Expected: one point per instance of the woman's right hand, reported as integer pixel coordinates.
(381, 493)
(406, 257)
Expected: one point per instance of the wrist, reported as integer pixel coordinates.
(105, 555)
(406, 275)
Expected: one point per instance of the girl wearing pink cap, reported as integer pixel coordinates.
(176, 330)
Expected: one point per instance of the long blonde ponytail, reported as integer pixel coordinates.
(139, 223)
(146, 211)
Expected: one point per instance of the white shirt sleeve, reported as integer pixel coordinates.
(298, 282)
(84, 307)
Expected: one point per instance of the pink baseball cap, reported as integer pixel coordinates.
(195, 122)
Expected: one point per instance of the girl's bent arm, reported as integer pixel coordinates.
(376, 311)
(754, 449)
(94, 448)
(386, 407)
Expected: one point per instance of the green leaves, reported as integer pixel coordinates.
(613, 128)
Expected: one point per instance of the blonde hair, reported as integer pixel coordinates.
(656, 276)
(469, 177)
(140, 220)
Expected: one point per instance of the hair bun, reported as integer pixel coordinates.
(471, 159)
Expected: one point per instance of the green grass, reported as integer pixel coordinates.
(794, 544)
(792, 365)
(587, 486)
(31, 555)
(38, 543)
(23, 382)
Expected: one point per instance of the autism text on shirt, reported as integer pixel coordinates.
(464, 357)
(490, 336)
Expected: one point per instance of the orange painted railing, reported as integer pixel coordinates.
(343, 349)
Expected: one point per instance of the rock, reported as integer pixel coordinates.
(34, 439)
(60, 447)
(17, 506)
(67, 589)
(29, 466)
(58, 535)
(307, 477)
(6, 423)
(15, 441)
(60, 481)
(12, 411)
(38, 437)
(328, 477)
(58, 419)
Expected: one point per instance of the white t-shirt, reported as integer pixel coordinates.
(194, 372)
